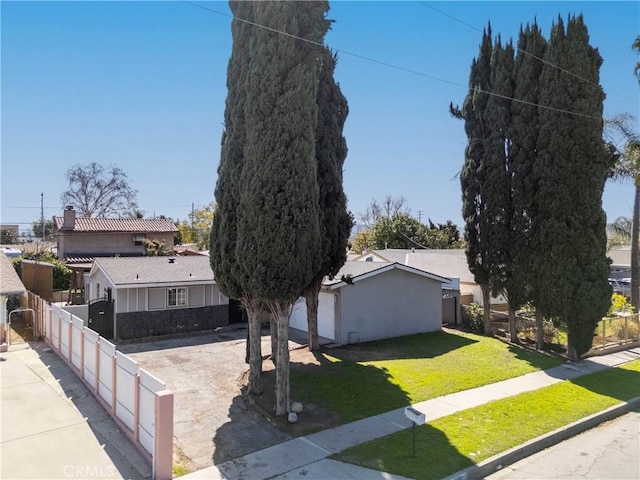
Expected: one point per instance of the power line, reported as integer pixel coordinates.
(389, 65)
(425, 4)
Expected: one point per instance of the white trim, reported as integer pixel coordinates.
(386, 268)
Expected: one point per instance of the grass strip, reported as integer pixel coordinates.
(367, 379)
(455, 442)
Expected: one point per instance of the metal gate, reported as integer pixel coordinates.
(101, 316)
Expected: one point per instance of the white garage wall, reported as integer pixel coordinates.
(326, 315)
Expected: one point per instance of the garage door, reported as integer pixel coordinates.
(326, 310)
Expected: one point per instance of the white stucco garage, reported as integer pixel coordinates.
(371, 301)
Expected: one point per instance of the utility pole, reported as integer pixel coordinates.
(42, 214)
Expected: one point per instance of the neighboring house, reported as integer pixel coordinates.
(449, 263)
(375, 301)
(620, 262)
(10, 285)
(158, 295)
(80, 239)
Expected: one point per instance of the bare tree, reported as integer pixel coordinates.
(98, 191)
(387, 209)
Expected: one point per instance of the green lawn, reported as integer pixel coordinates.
(452, 443)
(367, 379)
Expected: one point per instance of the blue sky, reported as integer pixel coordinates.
(142, 85)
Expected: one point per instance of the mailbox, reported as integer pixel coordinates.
(416, 416)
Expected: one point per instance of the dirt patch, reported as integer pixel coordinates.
(313, 418)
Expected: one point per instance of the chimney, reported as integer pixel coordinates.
(69, 222)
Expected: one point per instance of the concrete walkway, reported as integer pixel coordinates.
(306, 457)
(52, 426)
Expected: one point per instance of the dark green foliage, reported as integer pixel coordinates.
(523, 135)
(224, 224)
(472, 177)
(331, 151)
(497, 178)
(569, 243)
(278, 241)
(61, 274)
(8, 236)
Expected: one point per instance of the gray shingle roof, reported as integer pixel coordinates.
(134, 225)
(10, 283)
(155, 270)
(359, 269)
(450, 263)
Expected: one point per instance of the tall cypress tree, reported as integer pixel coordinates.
(335, 221)
(473, 175)
(224, 260)
(278, 236)
(523, 134)
(497, 167)
(569, 242)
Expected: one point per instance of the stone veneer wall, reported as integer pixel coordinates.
(140, 325)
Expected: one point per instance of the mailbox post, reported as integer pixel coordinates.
(418, 418)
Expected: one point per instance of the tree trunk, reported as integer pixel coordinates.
(513, 329)
(539, 330)
(255, 347)
(311, 297)
(282, 368)
(635, 261)
(273, 329)
(486, 309)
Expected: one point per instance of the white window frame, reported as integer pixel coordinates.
(180, 298)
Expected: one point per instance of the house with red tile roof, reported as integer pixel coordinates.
(81, 239)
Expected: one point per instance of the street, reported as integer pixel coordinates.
(609, 451)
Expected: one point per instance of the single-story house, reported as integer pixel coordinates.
(449, 263)
(158, 295)
(369, 301)
(10, 285)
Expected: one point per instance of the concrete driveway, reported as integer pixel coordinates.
(212, 423)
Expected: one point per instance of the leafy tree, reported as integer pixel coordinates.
(627, 168)
(37, 225)
(198, 230)
(571, 267)
(8, 236)
(620, 232)
(61, 274)
(155, 248)
(278, 230)
(335, 221)
(473, 176)
(398, 231)
(98, 191)
(361, 242)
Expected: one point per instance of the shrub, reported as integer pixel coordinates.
(618, 328)
(473, 317)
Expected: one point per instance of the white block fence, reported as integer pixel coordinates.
(137, 401)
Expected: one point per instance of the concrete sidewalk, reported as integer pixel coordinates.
(53, 428)
(307, 456)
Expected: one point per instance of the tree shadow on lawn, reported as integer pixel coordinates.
(343, 401)
(435, 457)
(619, 383)
(423, 345)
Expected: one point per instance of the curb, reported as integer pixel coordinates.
(508, 457)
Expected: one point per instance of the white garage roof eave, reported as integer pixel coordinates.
(386, 268)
